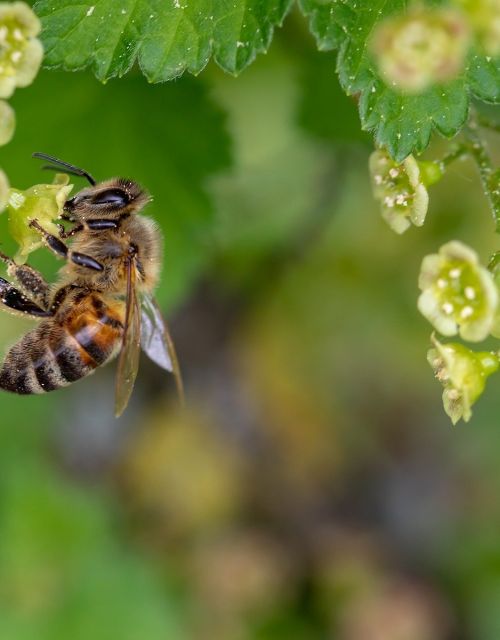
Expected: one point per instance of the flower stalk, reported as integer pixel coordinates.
(490, 177)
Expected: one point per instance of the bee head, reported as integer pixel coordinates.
(110, 199)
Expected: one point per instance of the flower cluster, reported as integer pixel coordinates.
(459, 296)
(421, 48)
(402, 188)
(20, 57)
(43, 202)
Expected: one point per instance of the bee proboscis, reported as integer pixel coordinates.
(102, 306)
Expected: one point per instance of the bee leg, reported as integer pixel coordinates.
(63, 234)
(16, 302)
(31, 281)
(54, 244)
(58, 247)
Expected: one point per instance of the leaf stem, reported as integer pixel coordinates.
(487, 123)
(490, 178)
(456, 152)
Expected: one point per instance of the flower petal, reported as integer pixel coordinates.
(429, 307)
(29, 64)
(7, 122)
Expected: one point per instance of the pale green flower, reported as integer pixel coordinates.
(421, 47)
(4, 190)
(494, 269)
(43, 202)
(458, 294)
(484, 15)
(7, 122)
(21, 52)
(401, 188)
(463, 374)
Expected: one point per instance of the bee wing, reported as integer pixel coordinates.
(128, 362)
(157, 343)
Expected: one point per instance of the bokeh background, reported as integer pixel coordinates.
(313, 488)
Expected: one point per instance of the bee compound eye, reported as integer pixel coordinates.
(116, 197)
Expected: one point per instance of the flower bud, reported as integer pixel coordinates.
(401, 190)
(458, 294)
(421, 48)
(463, 374)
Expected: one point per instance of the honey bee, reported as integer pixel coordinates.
(102, 306)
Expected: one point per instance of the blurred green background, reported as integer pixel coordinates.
(314, 488)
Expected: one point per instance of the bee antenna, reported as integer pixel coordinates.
(64, 166)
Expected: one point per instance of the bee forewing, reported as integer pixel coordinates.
(128, 363)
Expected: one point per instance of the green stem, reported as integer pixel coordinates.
(456, 152)
(490, 178)
(485, 122)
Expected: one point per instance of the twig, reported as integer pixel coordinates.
(490, 178)
(456, 152)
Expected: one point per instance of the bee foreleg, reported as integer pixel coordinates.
(31, 281)
(58, 247)
(15, 301)
(54, 244)
(63, 233)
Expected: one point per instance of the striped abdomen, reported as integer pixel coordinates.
(62, 350)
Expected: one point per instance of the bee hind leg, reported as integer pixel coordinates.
(16, 302)
(30, 281)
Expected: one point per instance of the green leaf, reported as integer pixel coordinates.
(484, 78)
(166, 37)
(402, 123)
(327, 31)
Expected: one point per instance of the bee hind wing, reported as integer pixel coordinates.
(157, 342)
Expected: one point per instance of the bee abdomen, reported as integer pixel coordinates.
(56, 354)
(45, 359)
(31, 366)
